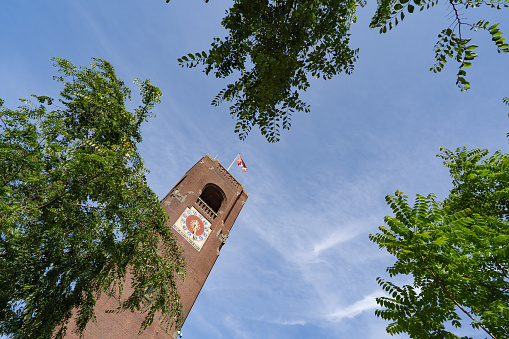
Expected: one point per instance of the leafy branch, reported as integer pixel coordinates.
(455, 251)
(444, 288)
(272, 48)
(451, 43)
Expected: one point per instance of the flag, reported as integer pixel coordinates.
(241, 163)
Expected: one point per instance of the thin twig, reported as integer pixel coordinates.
(87, 206)
(76, 221)
(65, 192)
(459, 23)
(496, 213)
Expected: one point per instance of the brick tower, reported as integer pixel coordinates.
(208, 199)
(202, 208)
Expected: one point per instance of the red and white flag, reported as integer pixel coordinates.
(241, 163)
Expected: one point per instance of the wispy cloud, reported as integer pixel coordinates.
(367, 303)
(289, 322)
(329, 242)
(233, 325)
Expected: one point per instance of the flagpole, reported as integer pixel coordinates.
(232, 163)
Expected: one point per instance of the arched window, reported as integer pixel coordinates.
(213, 196)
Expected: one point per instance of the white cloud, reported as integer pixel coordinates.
(367, 303)
(334, 240)
(233, 325)
(289, 322)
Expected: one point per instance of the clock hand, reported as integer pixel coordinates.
(196, 226)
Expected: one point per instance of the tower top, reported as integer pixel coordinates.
(227, 176)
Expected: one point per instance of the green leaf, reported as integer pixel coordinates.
(493, 27)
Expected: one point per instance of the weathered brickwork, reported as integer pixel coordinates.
(186, 194)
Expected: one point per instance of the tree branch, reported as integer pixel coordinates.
(76, 221)
(496, 213)
(458, 19)
(65, 192)
(87, 206)
(452, 298)
(494, 288)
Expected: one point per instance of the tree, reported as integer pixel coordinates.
(273, 46)
(76, 214)
(456, 251)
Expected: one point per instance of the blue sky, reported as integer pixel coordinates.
(298, 262)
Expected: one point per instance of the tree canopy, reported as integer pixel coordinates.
(76, 214)
(272, 47)
(455, 250)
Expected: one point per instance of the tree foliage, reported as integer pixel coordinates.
(76, 214)
(455, 250)
(453, 42)
(272, 47)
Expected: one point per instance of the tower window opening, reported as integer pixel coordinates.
(213, 196)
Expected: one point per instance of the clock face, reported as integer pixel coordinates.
(193, 227)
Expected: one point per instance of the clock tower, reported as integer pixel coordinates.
(202, 208)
